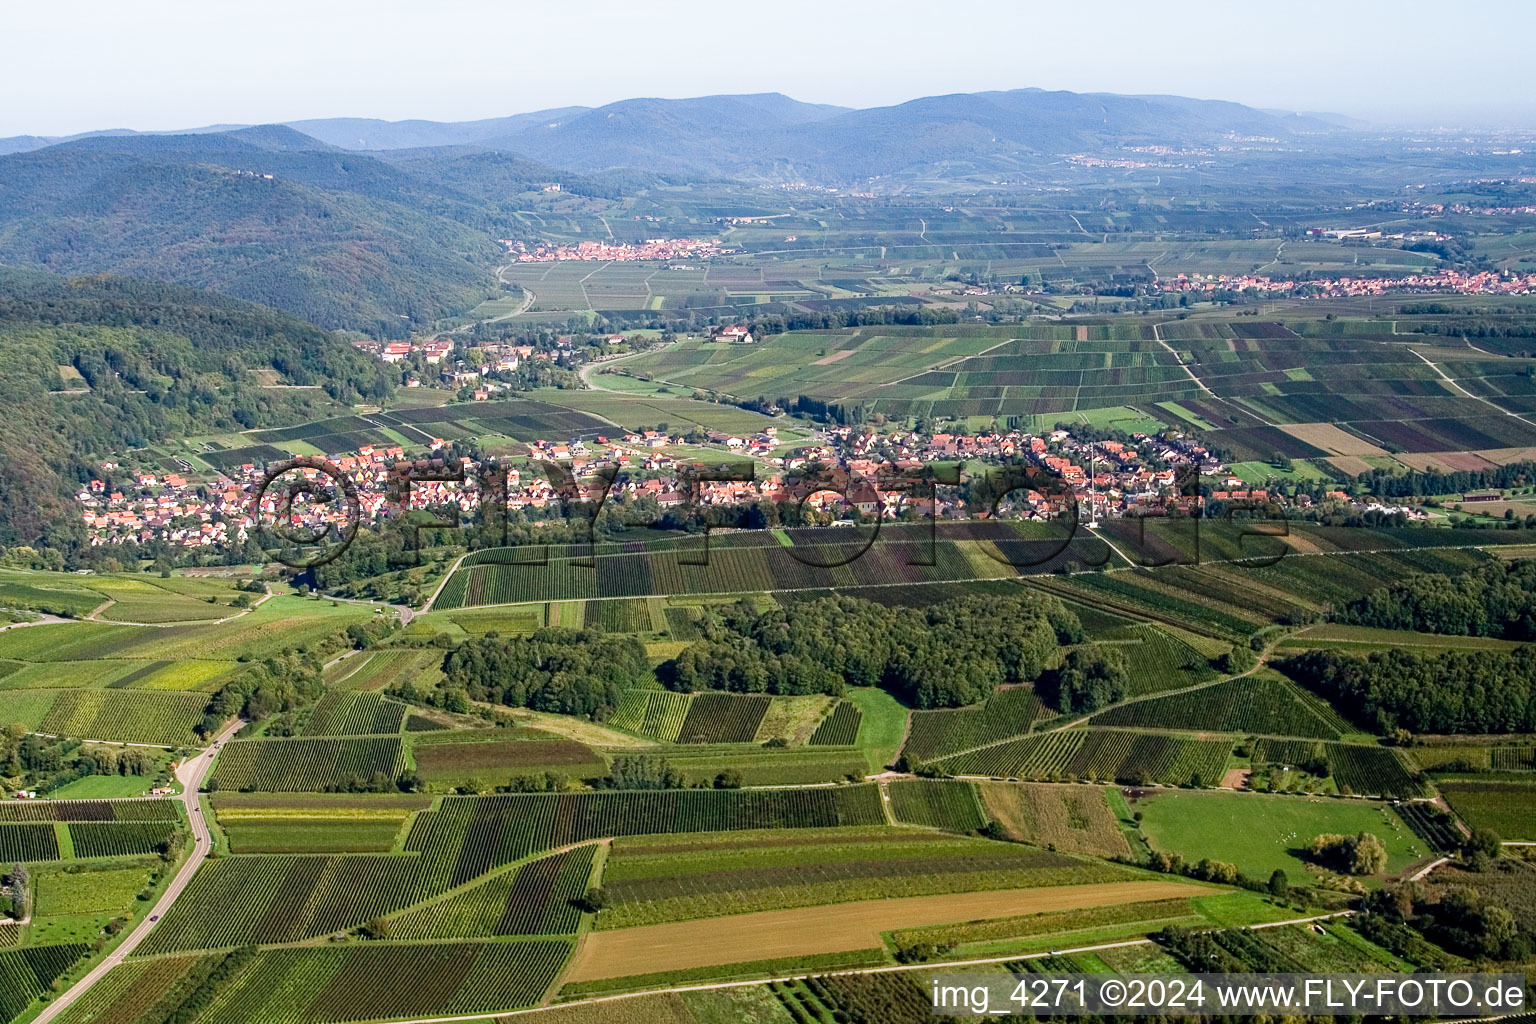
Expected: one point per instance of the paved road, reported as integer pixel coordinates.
(191, 774)
(1424, 872)
(42, 619)
(588, 369)
(406, 612)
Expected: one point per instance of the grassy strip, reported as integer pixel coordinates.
(794, 965)
(1048, 924)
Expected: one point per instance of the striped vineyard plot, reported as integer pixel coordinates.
(28, 842)
(317, 986)
(237, 901)
(1356, 769)
(1263, 703)
(723, 718)
(1030, 757)
(936, 804)
(91, 810)
(120, 838)
(658, 714)
(355, 713)
(539, 898)
(305, 765)
(1098, 755)
(472, 835)
(840, 728)
(1372, 771)
(26, 974)
(1431, 824)
(1008, 712)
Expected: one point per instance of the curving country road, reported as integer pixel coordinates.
(191, 774)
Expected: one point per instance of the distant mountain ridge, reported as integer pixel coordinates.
(402, 232)
(769, 135)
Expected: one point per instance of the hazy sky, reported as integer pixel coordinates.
(73, 65)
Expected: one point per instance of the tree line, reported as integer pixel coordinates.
(1495, 599)
(1471, 692)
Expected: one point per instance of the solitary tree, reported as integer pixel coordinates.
(18, 880)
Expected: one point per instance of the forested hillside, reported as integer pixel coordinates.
(160, 361)
(342, 240)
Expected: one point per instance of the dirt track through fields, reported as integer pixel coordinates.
(806, 931)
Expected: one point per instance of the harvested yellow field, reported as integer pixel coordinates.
(1504, 456)
(1297, 542)
(838, 928)
(1444, 462)
(1354, 465)
(1331, 439)
(837, 356)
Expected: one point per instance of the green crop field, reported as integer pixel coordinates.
(315, 986)
(1356, 769)
(314, 823)
(242, 899)
(88, 892)
(120, 838)
(381, 669)
(1509, 809)
(280, 623)
(840, 728)
(26, 974)
(355, 713)
(760, 766)
(153, 600)
(124, 716)
(755, 562)
(538, 898)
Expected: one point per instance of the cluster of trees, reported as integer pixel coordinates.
(1089, 678)
(645, 772)
(642, 772)
(1458, 918)
(1387, 484)
(46, 763)
(275, 685)
(1474, 692)
(1497, 598)
(14, 890)
(949, 654)
(568, 671)
(1363, 854)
